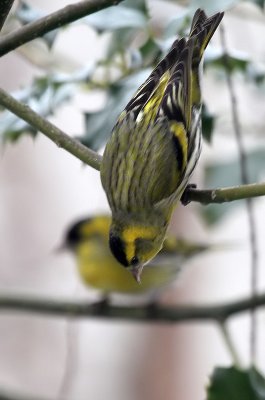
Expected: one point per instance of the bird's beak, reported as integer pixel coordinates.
(136, 272)
(61, 248)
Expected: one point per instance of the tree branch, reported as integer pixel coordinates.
(169, 314)
(223, 195)
(5, 8)
(50, 22)
(60, 138)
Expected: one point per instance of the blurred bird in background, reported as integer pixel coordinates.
(88, 239)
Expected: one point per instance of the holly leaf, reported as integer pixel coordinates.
(234, 384)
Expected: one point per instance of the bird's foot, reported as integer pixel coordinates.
(101, 306)
(151, 309)
(185, 195)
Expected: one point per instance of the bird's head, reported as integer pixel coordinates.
(93, 228)
(135, 245)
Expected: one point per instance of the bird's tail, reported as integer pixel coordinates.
(202, 29)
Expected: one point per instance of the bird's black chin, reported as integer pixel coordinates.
(117, 248)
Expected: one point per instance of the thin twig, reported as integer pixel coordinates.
(51, 131)
(169, 314)
(52, 21)
(229, 344)
(71, 348)
(249, 203)
(228, 194)
(71, 341)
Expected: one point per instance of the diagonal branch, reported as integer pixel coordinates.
(227, 194)
(169, 314)
(51, 131)
(52, 21)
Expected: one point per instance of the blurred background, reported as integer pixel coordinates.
(81, 77)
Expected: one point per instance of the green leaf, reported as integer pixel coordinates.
(117, 17)
(236, 384)
(227, 173)
(208, 121)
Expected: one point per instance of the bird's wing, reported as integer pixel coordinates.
(153, 82)
(152, 148)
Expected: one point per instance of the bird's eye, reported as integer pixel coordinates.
(134, 261)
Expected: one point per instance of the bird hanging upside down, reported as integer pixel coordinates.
(154, 148)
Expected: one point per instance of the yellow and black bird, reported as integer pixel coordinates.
(154, 148)
(88, 239)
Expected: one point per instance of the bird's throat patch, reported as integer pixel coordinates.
(130, 235)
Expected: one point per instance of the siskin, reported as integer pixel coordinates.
(88, 239)
(154, 148)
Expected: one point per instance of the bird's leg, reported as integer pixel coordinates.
(101, 305)
(185, 195)
(151, 308)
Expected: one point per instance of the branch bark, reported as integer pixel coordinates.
(172, 314)
(52, 21)
(224, 195)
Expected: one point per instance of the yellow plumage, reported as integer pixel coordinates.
(154, 148)
(97, 267)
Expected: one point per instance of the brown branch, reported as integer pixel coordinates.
(169, 314)
(52, 21)
(224, 195)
